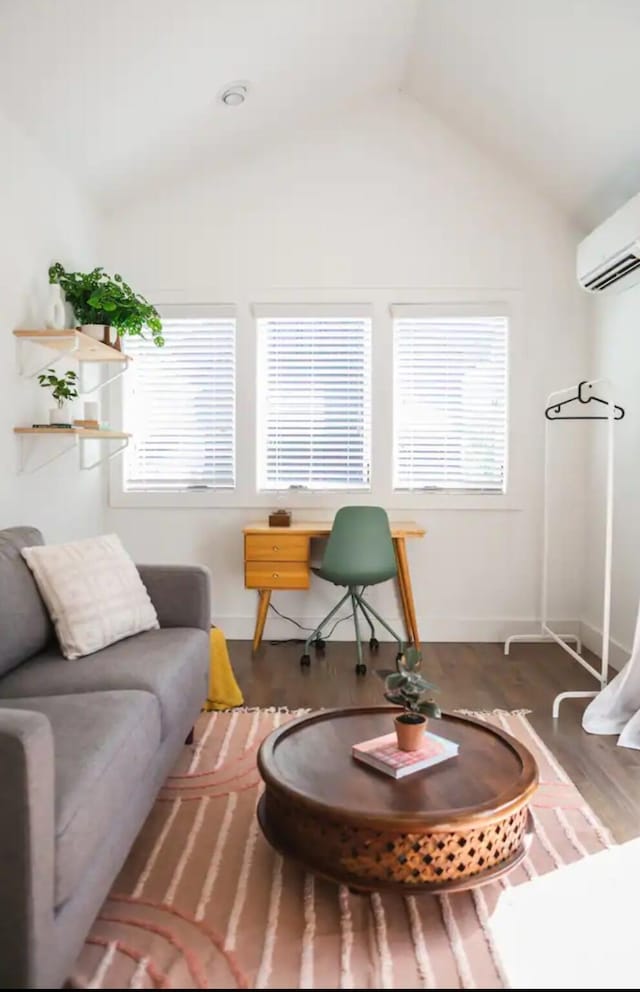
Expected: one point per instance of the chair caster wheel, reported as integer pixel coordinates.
(361, 669)
(319, 644)
(374, 644)
(305, 661)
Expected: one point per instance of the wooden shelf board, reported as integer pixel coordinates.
(94, 435)
(86, 349)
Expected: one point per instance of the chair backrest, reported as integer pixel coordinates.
(360, 550)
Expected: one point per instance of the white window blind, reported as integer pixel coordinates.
(314, 402)
(180, 407)
(450, 403)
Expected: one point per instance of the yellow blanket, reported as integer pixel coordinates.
(224, 692)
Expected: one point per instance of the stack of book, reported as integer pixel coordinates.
(383, 753)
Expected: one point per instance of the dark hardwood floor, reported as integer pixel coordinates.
(470, 676)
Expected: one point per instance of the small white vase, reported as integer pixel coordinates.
(92, 410)
(61, 414)
(56, 318)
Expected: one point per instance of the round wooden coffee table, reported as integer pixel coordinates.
(458, 824)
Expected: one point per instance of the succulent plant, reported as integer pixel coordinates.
(406, 687)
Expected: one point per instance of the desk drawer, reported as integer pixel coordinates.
(276, 575)
(276, 547)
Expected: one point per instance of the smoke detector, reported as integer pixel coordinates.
(234, 94)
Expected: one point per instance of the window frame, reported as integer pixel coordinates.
(455, 311)
(119, 496)
(315, 504)
(311, 312)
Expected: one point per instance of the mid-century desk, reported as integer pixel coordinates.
(280, 558)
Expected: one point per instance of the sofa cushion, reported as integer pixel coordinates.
(103, 744)
(170, 663)
(25, 627)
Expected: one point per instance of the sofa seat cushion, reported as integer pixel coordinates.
(104, 742)
(170, 663)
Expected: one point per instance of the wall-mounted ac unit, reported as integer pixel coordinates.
(608, 260)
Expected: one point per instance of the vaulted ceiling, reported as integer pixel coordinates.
(122, 91)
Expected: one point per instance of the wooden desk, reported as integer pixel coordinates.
(280, 558)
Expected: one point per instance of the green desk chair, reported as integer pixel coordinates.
(359, 553)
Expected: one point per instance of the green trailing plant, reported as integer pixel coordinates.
(406, 687)
(62, 389)
(98, 298)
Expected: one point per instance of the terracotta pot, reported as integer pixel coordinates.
(112, 338)
(410, 730)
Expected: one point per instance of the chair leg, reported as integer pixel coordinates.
(361, 668)
(324, 622)
(384, 623)
(361, 604)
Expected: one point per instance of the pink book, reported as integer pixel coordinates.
(383, 753)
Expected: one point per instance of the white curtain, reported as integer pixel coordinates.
(616, 710)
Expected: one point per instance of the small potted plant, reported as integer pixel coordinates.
(407, 688)
(63, 390)
(105, 307)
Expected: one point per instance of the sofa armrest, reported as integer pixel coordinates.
(181, 594)
(27, 831)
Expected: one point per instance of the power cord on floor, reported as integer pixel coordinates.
(302, 640)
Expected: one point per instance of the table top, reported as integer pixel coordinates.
(309, 759)
(319, 528)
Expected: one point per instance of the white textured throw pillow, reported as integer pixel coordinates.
(93, 592)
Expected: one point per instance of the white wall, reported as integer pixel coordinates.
(43, 219)
(616, 356)
(386, 197)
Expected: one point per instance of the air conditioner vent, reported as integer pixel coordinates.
(610, 275)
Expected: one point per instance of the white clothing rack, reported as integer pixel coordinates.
(552, 412)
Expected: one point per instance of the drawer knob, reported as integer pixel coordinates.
(275, 575)
(275, 548)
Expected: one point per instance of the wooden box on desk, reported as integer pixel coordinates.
(280, 518)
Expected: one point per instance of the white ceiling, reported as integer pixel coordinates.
(550, 84)
(122, 92)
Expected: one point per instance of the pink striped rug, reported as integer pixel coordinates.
(204, 902)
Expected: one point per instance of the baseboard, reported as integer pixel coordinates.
(592, 639)
(432, 629)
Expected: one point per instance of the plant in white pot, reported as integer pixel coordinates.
(106, 307)
(63, 390)
(407, 688)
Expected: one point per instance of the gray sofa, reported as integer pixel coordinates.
(84, 747)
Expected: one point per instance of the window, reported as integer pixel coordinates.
(314, 404)
(450, 402)
(180, 407)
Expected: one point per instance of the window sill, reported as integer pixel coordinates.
(315, 501)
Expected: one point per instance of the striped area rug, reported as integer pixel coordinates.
(204, 902)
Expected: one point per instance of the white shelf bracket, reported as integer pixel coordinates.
(23, 459)
(86, 390)
(27, 370)
(100, 461)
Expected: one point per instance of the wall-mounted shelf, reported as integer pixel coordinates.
(69, 343)
(77, 436)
